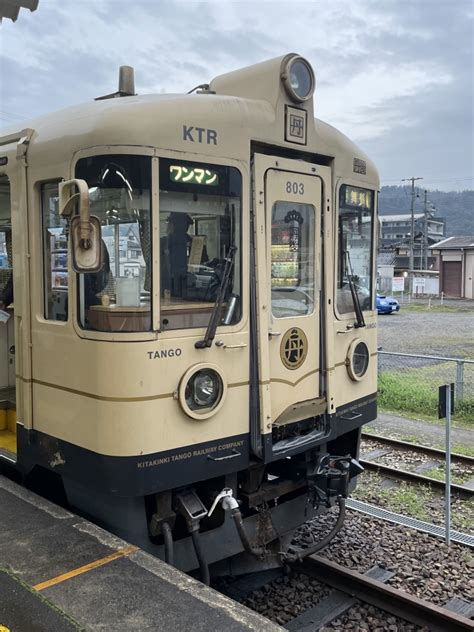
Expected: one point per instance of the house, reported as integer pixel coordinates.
(456, 264)
(395, 237)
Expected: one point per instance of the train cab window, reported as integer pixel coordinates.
(292, 259)
(355, 246)
(200, 219)
(117, 298)
(55, 264)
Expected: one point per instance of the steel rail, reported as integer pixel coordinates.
(376, 593)
(464, 492)
(424, 449)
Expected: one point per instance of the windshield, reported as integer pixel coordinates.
(200, 222)
(199, 225)
(117, 298)
(355, 246)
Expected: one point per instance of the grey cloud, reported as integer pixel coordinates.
(176, 44)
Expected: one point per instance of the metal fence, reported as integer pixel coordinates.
(410, 382)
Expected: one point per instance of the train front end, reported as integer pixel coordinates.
(217, 322)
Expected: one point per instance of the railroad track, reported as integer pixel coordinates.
(414, 477)
(351, 588)
(423, 449)
(372, 591)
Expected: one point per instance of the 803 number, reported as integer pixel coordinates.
(297, 188)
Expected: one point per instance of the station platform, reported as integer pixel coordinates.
(59, 572)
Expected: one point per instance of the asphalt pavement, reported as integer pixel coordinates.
(428, 331)
(424, 432)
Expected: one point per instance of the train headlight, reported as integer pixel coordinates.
(201, 391)
(298, 78)
(357, 361)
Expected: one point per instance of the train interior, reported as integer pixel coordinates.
(7, 329)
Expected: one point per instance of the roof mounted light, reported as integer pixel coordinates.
(298, 78)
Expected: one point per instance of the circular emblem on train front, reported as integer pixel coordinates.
(294, 348)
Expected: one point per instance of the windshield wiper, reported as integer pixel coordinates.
(216, 315)
(355, 296)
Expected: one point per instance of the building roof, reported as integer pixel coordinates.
(400, 218)
(457, 243)
(11, 8)
(406, 217)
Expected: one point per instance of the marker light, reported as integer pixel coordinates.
(357, 361)
(298, 78)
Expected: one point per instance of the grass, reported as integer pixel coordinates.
(466, 556)
(415, 501)
(404, 499)
(414, 392)
(462, 448)
(438, 473)
(456, 448)
(407, 500)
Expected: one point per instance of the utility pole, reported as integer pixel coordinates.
(412, 232)
(424, 250)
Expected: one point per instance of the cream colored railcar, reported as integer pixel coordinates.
(209, 341)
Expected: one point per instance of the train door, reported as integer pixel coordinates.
(7, 341)
(287, 223)
(15, 339)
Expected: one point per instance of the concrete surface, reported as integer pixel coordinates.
(40, 541)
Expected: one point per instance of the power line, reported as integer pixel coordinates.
(431, 180)
(4, 113)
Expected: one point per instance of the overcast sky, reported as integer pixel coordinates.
(396, 76)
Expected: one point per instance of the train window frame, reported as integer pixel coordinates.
(61, 269)
(367, 302)
(227, 171)
(128, 321)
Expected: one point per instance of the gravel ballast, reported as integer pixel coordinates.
(422, 565)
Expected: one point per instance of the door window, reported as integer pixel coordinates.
(292, 259)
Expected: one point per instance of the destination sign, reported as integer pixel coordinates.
(361, 198)
(196, 175)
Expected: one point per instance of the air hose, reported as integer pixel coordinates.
(299, 554)
(203, 566)
(169, 544)
(229, 503)
(239, 523)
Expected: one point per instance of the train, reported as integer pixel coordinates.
(190, 349)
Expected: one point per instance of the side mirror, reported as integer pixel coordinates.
(84, 229)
